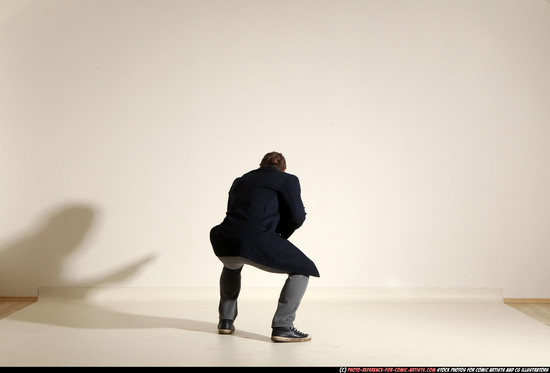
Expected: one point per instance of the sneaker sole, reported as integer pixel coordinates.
(226, 331)
(287, 339)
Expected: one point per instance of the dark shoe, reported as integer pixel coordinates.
(226, 327)
(289, 335)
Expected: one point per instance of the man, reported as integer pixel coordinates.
(263, 210)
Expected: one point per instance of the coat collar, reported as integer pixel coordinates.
(270, 168)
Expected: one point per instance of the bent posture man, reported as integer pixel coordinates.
(263, 210)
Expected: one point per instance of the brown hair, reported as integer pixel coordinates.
(274, 159)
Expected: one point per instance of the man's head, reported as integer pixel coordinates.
(274, 159)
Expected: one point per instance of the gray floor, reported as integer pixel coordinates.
(350, 327)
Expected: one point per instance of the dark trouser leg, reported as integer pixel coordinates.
(289, 300)
(230, 287)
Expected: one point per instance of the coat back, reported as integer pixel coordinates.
(264, 208)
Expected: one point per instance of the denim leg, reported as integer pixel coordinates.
(230, 287)
(289, 300)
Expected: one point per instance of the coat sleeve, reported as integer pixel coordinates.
(231, 193)
(291, 208)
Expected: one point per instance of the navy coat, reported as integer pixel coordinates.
(263, 210)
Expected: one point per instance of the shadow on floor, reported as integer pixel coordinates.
(90, 316)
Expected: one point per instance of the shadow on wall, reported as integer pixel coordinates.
(40, 258)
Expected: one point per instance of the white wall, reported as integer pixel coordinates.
(419, 130)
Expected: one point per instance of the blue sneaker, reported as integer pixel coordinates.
(291, 334)
(226, 326)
